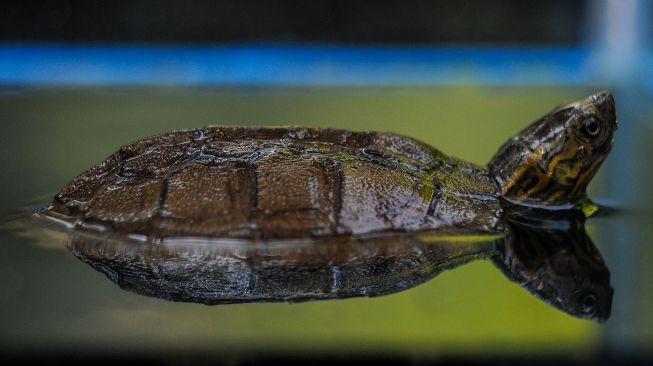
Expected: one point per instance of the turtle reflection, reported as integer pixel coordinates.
(551, 257)
(554, 259)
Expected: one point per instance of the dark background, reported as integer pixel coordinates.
(340, 21)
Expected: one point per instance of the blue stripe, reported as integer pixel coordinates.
(292, 65)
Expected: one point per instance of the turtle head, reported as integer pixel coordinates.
(552, 161)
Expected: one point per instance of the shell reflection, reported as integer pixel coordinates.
(551, 257)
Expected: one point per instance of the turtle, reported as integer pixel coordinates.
(283, 183)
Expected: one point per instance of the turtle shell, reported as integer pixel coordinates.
(260, 183)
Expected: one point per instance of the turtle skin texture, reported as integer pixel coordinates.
(277, 183)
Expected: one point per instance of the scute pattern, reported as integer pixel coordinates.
(125, 201)
(155, 162)
(207, 200)
(265, 183)
(76, 195)
(295, 193)
(377, 197)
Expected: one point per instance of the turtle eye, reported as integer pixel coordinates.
(591, 127)
(587, 303)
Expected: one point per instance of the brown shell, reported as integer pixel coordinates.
(259, 183)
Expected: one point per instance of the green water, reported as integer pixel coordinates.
(49, 300)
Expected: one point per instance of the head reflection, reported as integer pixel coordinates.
(551, 257)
